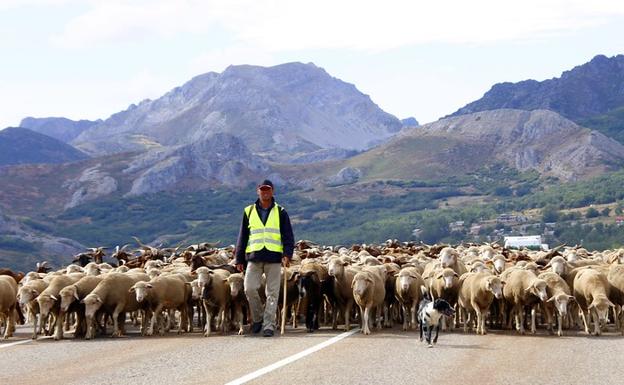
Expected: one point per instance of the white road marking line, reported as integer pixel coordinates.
(288, 360)
(22, 342)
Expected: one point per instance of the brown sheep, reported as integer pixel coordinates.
(8, 304)
(112, 296)
(591, 290)
(27, 297)
(558, 297)
(70, 301)
(523, 288)
(476, 293)
(369, 291)
(408, 293)
(162, 293)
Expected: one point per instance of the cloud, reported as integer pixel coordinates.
(279, 25)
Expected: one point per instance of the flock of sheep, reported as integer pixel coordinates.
(370, 285)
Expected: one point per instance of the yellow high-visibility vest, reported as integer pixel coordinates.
(264, 235)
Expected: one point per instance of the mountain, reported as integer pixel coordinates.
(62, 129)
(410, 122)
(591, 89)
(20, 145)
(282, 113)
(538, 140)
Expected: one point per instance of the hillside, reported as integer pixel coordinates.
(538, 140)
(62, 129)
(281, 113)
(21, 146)
(591, 89)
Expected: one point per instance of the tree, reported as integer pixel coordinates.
(605, 212)
(550, 213)
(592, 213)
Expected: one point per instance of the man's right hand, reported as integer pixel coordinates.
(240, 267)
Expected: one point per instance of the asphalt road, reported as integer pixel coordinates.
(386, 357)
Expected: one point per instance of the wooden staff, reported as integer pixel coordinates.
(284, 305)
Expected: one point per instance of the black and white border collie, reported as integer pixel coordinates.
(430, 314)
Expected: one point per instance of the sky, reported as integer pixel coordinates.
(88, 59)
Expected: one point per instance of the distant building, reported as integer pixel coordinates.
(528, 241)
(619, 221)
(474, 229)
(456, 226)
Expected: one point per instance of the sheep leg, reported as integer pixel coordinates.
(365, 320)
(413, 311)
(347, 315)
(405, 318)
(207, 328)
(533, 327)
(239, 320)
(479, 319)
(594, 313)
(116, 329)
(583, 317)
(34, 335)
(58, 335)
(386, 321)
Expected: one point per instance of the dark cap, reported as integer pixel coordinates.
(265, 182)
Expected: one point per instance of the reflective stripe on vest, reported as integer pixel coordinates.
(264, 235)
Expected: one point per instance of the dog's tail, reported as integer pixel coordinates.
(426, 295)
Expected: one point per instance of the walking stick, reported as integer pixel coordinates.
(284, 305)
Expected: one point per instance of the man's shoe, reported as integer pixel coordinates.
(267, 333)
(256, 327)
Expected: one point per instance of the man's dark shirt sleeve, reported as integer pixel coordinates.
(288, 238)
(243, 238)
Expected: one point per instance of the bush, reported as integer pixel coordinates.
(592, 213)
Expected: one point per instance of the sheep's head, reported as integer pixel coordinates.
(92, 303)
(449, 276)
(538, 288)
(495, 285)
(560, 301)
(478, 267)
(361, 284)
(405, 279)
(499, 263)
(26, 294)
(448, 256)
(68, 295)
(336, 267)
(141, 290)
(46, 302)
(236, 282)
(601, 305)
(558, 265)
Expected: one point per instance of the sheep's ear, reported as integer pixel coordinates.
(193, 274)
(76, 296)
(53, 297)
(34, 292)
(551, 299)
(572, 298)
(503, 282)
(439, 276)
(149, 286)
(610, 303)
(345, 263)
(132, 289)
(456, 275)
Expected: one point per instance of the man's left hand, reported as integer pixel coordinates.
(285, 261)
